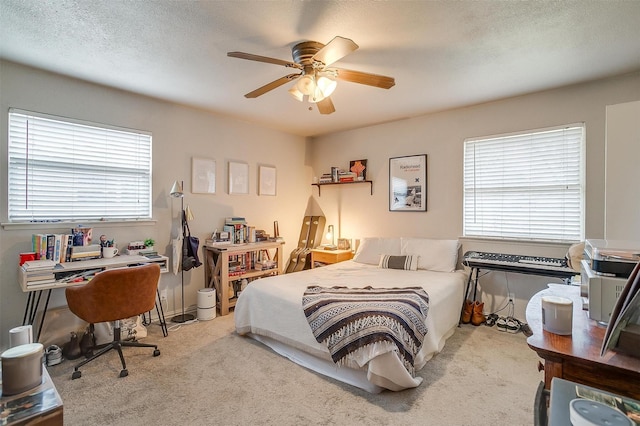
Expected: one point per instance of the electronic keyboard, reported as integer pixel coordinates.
(533, 265)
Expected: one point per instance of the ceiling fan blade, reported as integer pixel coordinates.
(266, 59)
(336, 49)
(375, 80)
(325, 106)
(270, 86)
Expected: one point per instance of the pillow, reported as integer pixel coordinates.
(371, 248)
(407, 262)
(434, 255)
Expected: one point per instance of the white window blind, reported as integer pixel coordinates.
(65, 170)
(526, 186)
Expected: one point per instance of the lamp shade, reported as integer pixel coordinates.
(176, 190)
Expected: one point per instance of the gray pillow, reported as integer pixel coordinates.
(406, 262)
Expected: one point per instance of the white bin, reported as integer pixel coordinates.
(206, 304)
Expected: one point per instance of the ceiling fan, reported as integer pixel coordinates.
(316, 79)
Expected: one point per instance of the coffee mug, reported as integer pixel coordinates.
(109, 252)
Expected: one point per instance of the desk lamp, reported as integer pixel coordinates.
(177, 192)
(331, 236)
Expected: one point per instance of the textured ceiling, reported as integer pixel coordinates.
(443, 54)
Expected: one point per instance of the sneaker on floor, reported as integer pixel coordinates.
(526, 330)
(501, 323)
(491, 320)
(513, 325)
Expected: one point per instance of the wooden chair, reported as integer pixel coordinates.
(114, 295)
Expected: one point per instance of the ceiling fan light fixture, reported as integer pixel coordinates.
(306, 85)
(296, 94)
(327, 85)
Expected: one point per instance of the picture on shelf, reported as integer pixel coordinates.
(359, 167)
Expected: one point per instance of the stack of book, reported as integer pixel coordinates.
(239, 231)
(346, 176)
(325, 178)
(35, 273)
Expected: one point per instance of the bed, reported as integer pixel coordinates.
(270, 310)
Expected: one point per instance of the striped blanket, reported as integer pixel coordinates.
(349, 319)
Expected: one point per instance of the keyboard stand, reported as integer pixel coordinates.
(528, 269)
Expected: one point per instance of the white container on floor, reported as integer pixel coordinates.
(206, 304)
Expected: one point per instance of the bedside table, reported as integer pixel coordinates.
(329, 256)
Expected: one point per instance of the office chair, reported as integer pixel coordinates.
(114, 295)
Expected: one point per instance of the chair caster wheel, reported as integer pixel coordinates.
(124, 373)
(156, 352)
(76, 375)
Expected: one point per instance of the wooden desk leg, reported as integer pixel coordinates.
(552, 368)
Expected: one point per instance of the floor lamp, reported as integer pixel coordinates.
(177, 192)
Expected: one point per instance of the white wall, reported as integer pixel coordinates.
(622, 204)
(179, 133)
(440, 136)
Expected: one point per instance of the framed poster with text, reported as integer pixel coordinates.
(408, 183)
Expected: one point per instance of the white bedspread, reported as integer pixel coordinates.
(270, 310)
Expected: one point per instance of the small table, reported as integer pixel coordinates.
(577, 357)
(41, 405)
(329, 256)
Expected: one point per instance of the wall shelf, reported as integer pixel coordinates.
(370, 182)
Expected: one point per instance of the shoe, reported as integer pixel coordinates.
(526, 330)
(467, 311)
(501, 324)
(491, 320)
(513, 325)
(478, 317)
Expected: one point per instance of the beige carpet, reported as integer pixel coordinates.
(208, 375)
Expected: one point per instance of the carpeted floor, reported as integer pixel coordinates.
(208, 375)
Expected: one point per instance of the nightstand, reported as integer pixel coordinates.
(329, 256)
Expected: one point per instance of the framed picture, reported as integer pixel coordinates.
(408, 183)
(267, 181)
(359, 167)
(238, 178)
(203, 176)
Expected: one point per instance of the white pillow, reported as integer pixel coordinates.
(371, 248)
(434, 255)
(407, 262)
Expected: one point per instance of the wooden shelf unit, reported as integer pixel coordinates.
(218, 276)
(370, 182)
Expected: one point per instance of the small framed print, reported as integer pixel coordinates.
(267, 181)
(203, 176)
(238, 178)
(408, 183)
(359, 167)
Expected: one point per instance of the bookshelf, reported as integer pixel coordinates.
(225, 263)
(319, 185)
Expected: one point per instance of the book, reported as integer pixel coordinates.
(57, 248)
(51, 243)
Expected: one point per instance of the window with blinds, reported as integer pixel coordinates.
(527, 186)
(66, 170)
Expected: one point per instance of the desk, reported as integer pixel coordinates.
(577, 357)
(63, 271)
(41, 405)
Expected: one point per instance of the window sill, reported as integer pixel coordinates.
(53, 225)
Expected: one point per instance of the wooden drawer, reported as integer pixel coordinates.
(330, 256)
